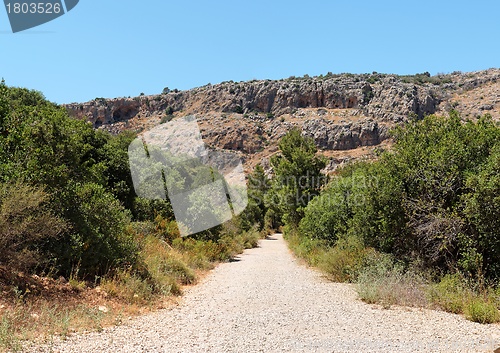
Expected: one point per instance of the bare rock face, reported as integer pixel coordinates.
(387, 98)
(341, 112)
(103, 112)
(331, 136)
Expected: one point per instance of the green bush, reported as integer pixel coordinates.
(481, 311)
(310, 249)
(327, 216)
(178, 270)
(344, 261)
(450, 293)
(100, 241)
(26, 225)
(433, 199)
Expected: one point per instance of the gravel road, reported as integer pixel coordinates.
(269, 302)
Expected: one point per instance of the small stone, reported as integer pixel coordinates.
(103, 309)
(486, 107)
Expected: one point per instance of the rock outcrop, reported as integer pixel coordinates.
(341, 112)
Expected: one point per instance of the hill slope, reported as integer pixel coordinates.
(348, 115)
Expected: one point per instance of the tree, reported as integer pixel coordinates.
(298, 178)
(100, 241)
(258, 185)
(482, 210)
(84, 175)
(116, 172)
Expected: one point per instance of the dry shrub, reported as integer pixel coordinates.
(25, 224)
(386, 282)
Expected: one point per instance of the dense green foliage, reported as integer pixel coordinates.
(83, 175)
(258, 186)
(67, 201)
(433, 199)
(297, 178)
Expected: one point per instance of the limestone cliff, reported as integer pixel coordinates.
(342, 113)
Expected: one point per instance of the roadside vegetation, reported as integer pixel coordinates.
(417, 227)
(78, 249)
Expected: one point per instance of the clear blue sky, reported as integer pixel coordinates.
(119, 48)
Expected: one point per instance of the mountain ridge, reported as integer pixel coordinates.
(342, 112)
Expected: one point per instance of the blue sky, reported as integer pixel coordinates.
(122, 48)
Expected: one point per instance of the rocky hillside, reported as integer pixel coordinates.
(348, 115)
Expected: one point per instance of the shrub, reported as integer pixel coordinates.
(310, 249)
(102, 242)
(326, 217)
(166, 229)
(386, 282)
(482, 311)
(166, 119)
(128, 286)
(343, 262)
(26, 225)
(432, 199)
(250, 238)
(179, 270)
(450, 293)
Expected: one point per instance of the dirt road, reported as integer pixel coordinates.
(268, 302)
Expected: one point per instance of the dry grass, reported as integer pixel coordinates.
(387, 284)
(41, 318)
(384, 282)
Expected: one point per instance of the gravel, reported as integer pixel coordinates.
(268, 302)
